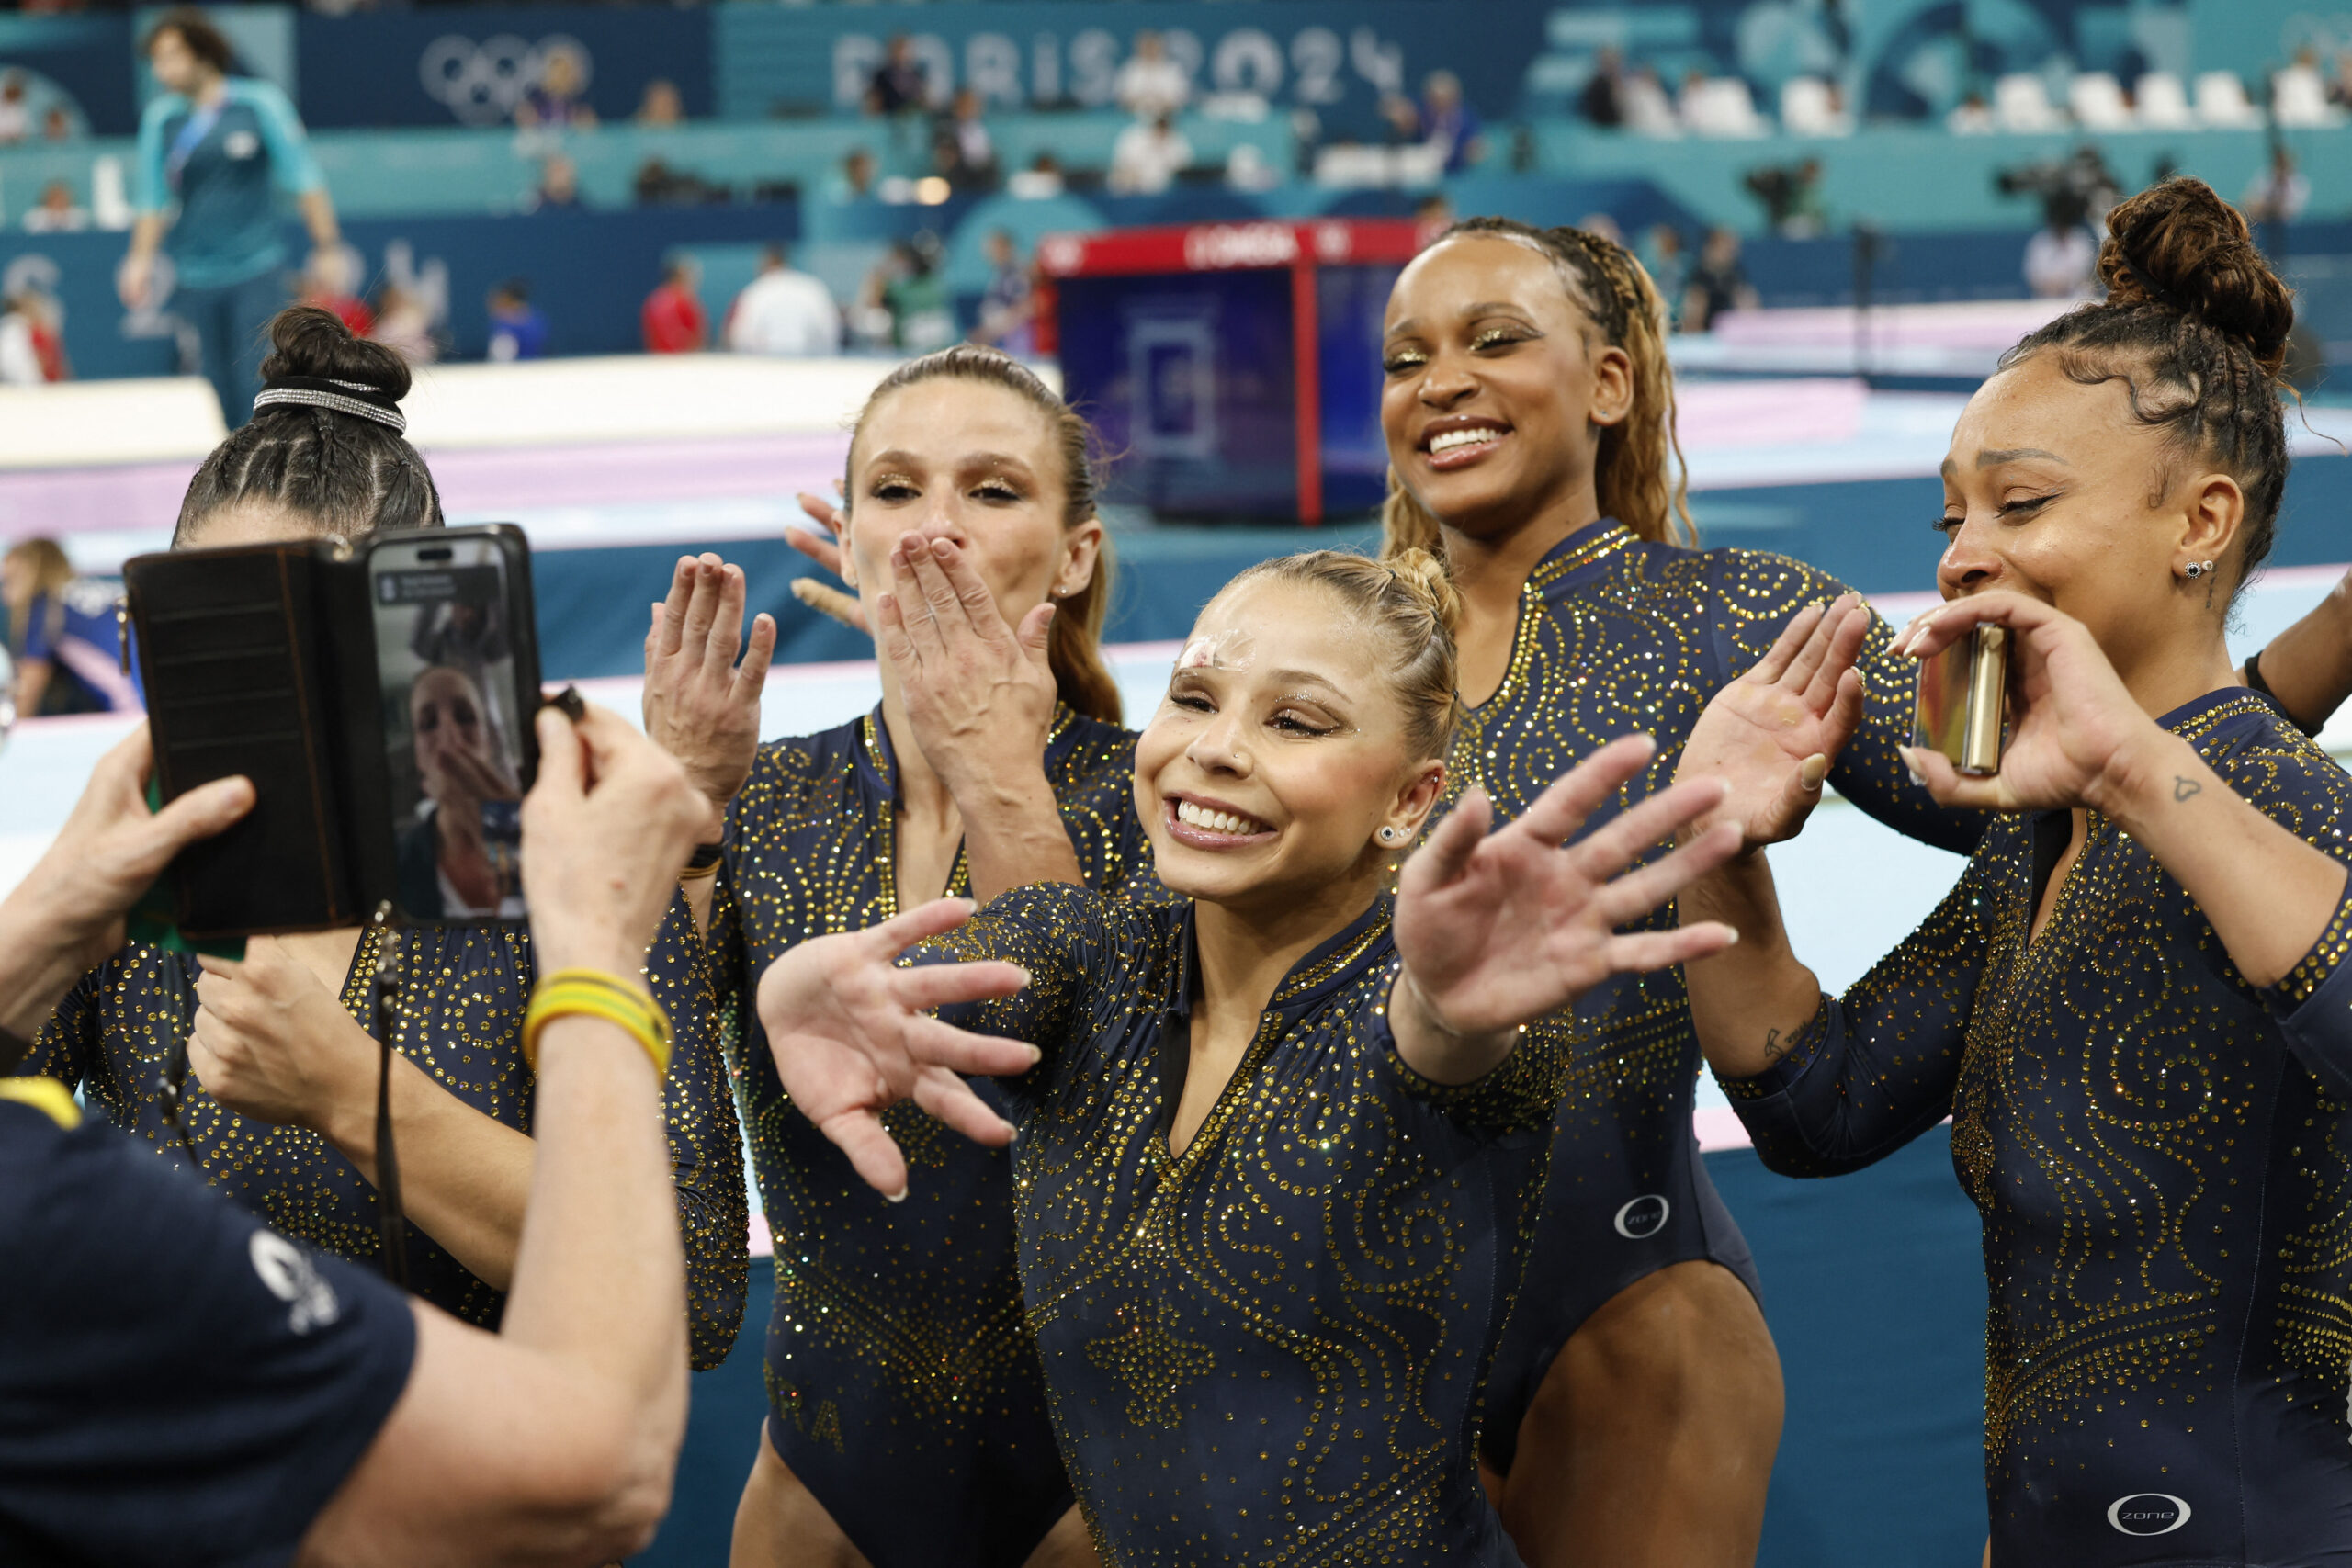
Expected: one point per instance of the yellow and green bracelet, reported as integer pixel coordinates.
(596, 994)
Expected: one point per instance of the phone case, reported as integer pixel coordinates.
(260, 660)
(1962, 694)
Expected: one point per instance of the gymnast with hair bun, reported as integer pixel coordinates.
(2134, 1005)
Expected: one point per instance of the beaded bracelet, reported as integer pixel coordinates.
(595, 994)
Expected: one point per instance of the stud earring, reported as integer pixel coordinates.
(1389, 835)
(2197, 568)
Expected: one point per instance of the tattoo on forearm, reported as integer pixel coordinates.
(2182, 788)
(1773, 1049)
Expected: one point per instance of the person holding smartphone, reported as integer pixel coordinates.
(281, 1110)
(182, 1384)
(2134, 1005)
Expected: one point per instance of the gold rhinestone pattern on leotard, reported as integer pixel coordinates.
(459, 1017)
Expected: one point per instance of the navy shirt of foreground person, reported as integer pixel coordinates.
(179, 1384)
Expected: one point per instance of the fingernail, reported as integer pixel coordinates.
(1734, 938)
(1035, 1055)
(898, 1197)
(943, 549)
(1813, 770)
(1024, 971)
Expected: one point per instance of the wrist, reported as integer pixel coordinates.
(2150, 773)
(597, 950)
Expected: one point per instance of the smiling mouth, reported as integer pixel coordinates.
(1455, 449)
(1207, 827)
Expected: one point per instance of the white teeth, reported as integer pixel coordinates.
(1193, 816)
(1446, 441)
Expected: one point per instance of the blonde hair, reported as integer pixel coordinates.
(1412, 601)
(1074, 642)
(52, 574)
(1638, 472)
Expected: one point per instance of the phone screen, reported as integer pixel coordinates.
(453, 727)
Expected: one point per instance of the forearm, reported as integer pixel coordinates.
(318, 216)
(32, 684)
(146, 236)
(2269, 895)
(2308, 667)
(465, 1179)
(1748, 1002)
(37, 964)
(1435, 1050)
(1013, 835)
(600, 1276)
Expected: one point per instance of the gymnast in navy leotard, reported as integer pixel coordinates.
(907, 1422)
(1283, 1145)
(1529, 416)
(2135, 1005)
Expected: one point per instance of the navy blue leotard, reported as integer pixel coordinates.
(1268, 1349)
(902, 1389)
(460, 1018)
(2162, 1154)
(1618, 635)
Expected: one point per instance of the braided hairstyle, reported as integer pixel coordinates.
(345, 475)
(1638, 472)
(2194, 326)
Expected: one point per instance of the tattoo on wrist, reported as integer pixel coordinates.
(2183, 787)
(1773, 1048)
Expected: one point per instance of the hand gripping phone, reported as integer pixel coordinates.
(379, 694)
(1962, 694)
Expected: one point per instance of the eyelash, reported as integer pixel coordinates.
(1945, 525)
(901, 489)
(1193, 702)
(1493, 337)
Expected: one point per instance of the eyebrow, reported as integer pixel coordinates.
(1994, 456)
(969, 460)
(1304, 678)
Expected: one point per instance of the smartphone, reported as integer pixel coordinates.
(1962, 694)
(381, 697)
(457, 689)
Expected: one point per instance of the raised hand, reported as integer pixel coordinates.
(2076, 735)
(1496, 929)
(272, 1044)
(1772, 735)
(700, 706)
(851, 1035)
(823, 546)
(980, 695)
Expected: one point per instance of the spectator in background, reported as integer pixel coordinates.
(899, 84)
(330, 281)
(1433, 211)
(405, 324)
(517, 330)
(2278, 195)
(672, 319)
(1147, 157)
(854, 180)
(1719, 283)
(57, 125)
(974, 166)
(559, 187)
(1668, 263)
(661, 107)
(1041, 181)
(1648, 111)
(1602, 102)
(16, 114)
(784, 312)
(553, 102)
(1601, 226)
(213, 152)
(1151, 85)
(1008, 308)
(61, 628)
(1449, 123)
(56, 213)
(1973, 117)
(2062, 259)
(32, 339)
(903, 304)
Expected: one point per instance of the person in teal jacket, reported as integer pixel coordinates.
(214, 151)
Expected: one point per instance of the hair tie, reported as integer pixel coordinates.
(354, 398)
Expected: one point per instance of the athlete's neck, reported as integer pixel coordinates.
(1245, 951)
(1490, 568)
(210, 89)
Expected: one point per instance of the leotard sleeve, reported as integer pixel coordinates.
(1876, 1067)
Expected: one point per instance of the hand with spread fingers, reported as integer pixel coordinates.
(1497, 929)
(852, 1035)
(273, 1043)
(2076, 737)
(1770, 736)
(823, 546)
(979, 694)
(700, 705)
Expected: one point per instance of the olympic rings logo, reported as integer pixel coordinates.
(482, 83)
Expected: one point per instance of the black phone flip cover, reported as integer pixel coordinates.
(237, 650)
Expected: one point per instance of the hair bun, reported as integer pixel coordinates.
(2180, 246)
(307, 341)
(1424, 576)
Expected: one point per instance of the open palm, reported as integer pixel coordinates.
(851, 1036)
(1497, 929)
(1772, 735)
